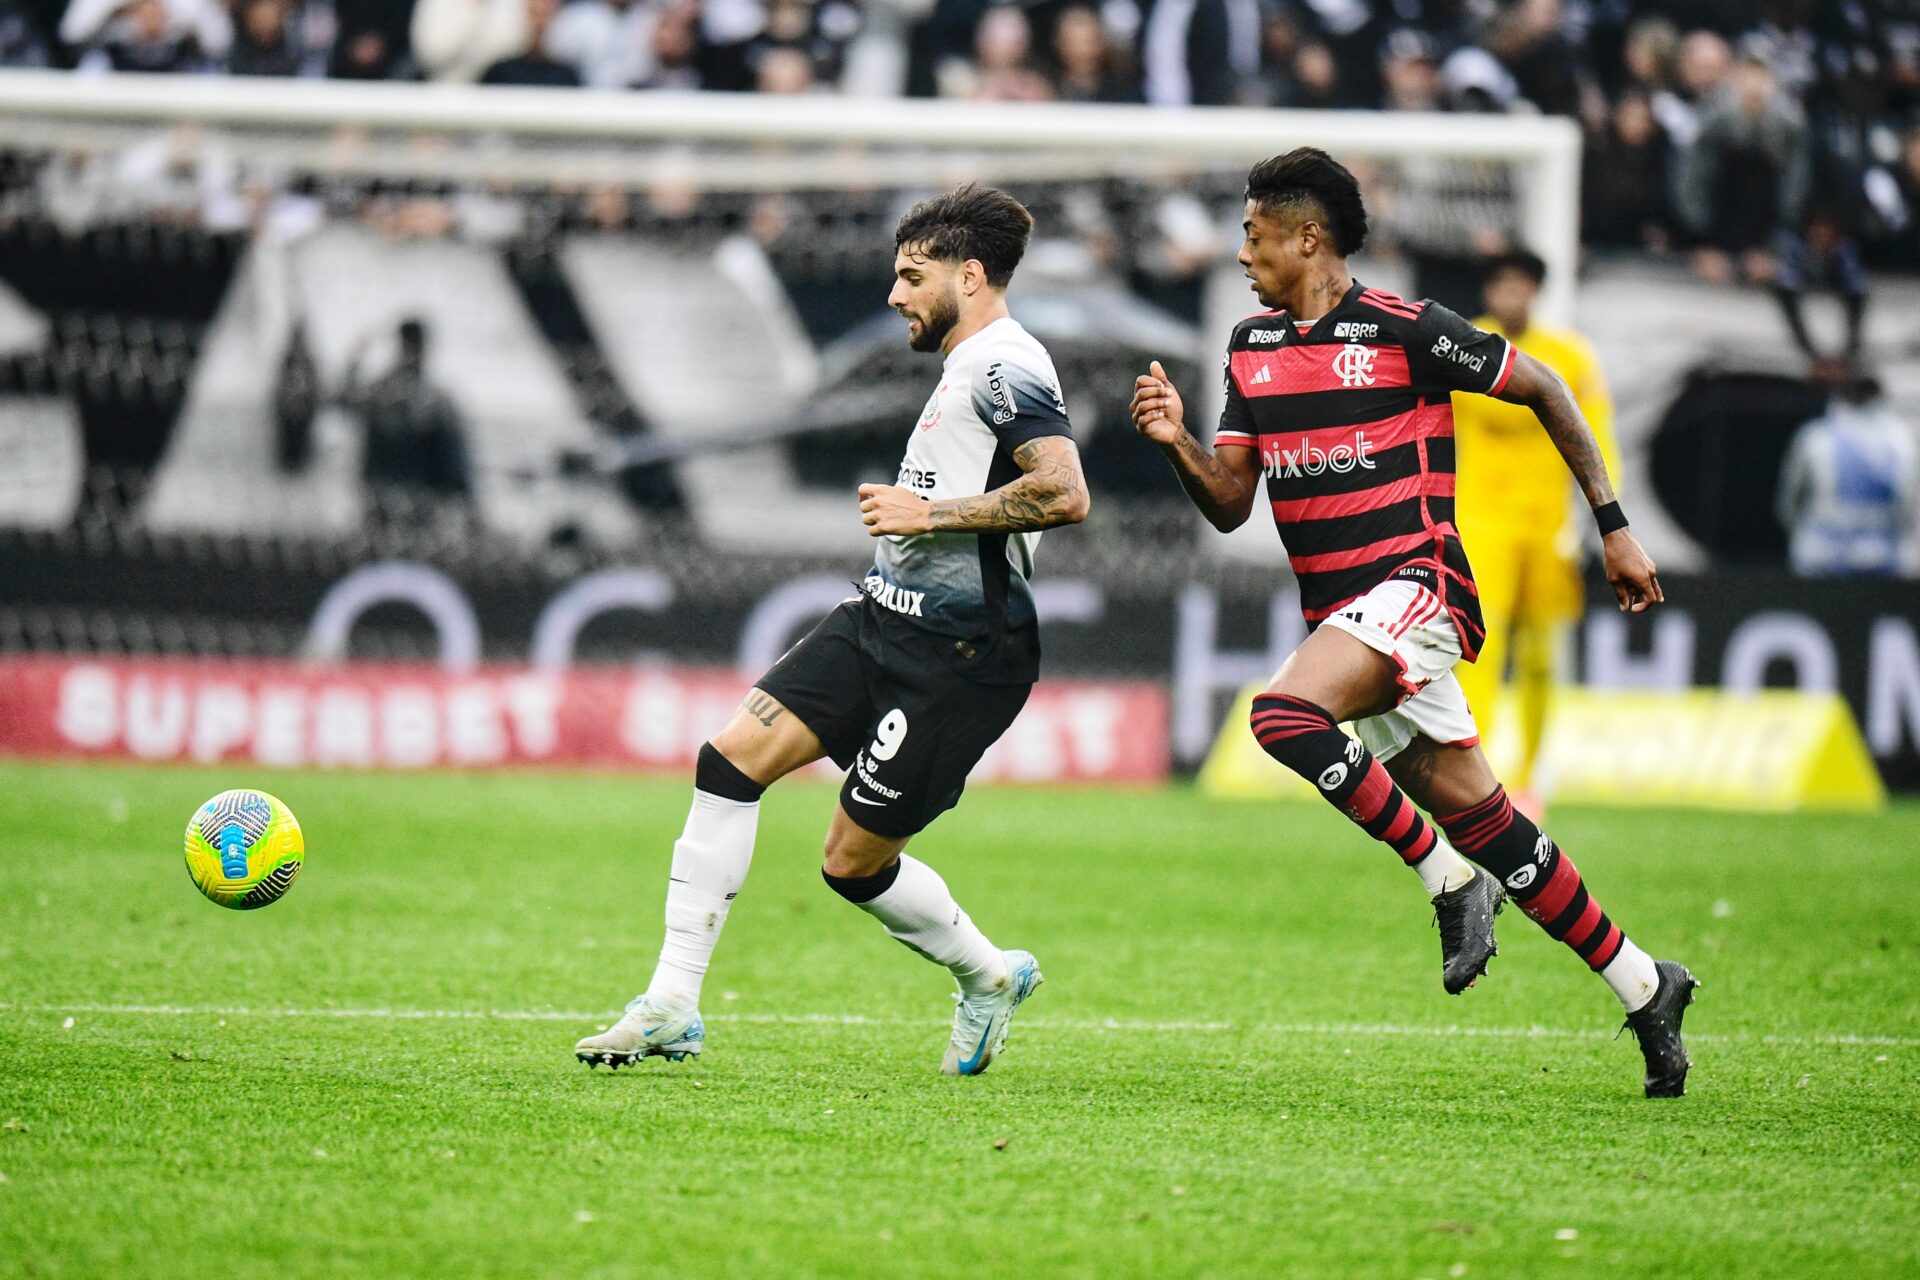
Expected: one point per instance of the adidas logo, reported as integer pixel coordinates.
(1265, 375)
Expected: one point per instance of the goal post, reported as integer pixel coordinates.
(592, 264)
(993, 138)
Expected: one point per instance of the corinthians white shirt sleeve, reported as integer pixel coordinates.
(998, 390)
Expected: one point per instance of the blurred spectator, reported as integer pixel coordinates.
(534, 65)
(184, 176)
(1893, 194)
(1746, 175)
(609, 42)
(1850, 488)
(1687, 144)
(457, 40)
(1701, 64)
(1088, 63)
(1626, 198)
(1315, 79)
(819, 30)
(21, 44)
(147, 35)
(1003, 65)
(675, 49)
(373, 41)
(416, 442)
(1472, 79)
(783, 69)
(1201, 52)
(1528, 41)
(727, 34)
(1822, 256)
(264, 40)
(1648, 55)
(1179, 245)
(1410, 71)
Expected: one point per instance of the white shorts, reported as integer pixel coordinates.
(1405, 621)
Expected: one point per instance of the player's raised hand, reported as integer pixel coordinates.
(1158, 412)
(887, 508)
(1630, 570)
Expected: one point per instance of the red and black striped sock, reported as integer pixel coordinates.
(1538, 875)
(1303, 737)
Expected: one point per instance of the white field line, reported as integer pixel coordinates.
(1327, 1030)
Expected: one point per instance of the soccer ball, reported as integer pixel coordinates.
(244, 849)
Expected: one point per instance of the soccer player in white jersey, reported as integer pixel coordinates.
(907, 685)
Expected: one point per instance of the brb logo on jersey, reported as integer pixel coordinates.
(1312, 460)
(1354, 365)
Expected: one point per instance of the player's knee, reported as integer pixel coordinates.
(852, 852)
(1287, 727)
(850, 856)
(716, 775)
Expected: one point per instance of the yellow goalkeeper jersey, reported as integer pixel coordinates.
(1511, 479)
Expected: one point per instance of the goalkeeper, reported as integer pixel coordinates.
(1515, 512)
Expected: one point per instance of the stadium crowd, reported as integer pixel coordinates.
(1776, 141)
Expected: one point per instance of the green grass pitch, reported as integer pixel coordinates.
(1242, 1063)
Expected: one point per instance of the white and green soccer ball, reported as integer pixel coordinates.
(244, 849)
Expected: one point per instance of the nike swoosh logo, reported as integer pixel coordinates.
(880, 804)
(967, 1067)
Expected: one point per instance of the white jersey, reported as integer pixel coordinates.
(1850, 493)
(997, 391)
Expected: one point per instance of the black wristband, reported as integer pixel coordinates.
(1610, 518)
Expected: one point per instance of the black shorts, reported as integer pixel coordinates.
(891, 703)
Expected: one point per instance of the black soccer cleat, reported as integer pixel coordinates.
(1656, 1025)
(1465, 916)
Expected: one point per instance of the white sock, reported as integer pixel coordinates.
(1443, 868)
(710, 863)
(1632, 976)
(918, 910)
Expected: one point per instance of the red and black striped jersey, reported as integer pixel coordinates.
(1353, 419)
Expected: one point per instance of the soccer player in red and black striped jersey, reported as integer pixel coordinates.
(1338, 399)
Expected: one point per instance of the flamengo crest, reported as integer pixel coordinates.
(1354, 365)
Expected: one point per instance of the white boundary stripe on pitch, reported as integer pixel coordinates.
(1332, 1030)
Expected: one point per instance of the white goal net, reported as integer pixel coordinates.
(641, 311)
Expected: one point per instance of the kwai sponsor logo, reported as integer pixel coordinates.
(1466, 359)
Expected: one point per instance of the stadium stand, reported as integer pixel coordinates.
(200, 328)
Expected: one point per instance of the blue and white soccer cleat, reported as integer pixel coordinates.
(649, 1027)
(980, 1022)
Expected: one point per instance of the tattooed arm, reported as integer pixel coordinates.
(1051, 491)
(1635, 581)
(1540, 389)
(1221, 482)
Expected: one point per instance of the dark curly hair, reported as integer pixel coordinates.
(1526, 262)
(1310, 183)
(984, 223)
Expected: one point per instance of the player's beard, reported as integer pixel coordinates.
(940, 319)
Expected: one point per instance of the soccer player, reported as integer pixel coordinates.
(1338, 397)
(908, 684)
(1515, 518)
